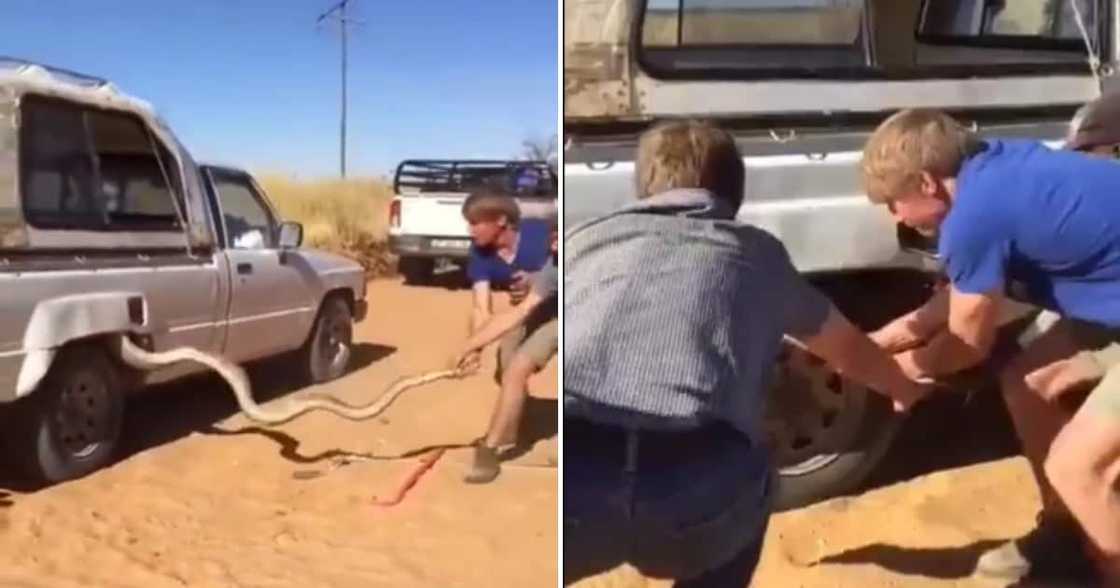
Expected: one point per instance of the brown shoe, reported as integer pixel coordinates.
(486, 466)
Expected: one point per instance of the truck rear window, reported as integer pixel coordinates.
(517, 178)
(89, 169)
(863, 38)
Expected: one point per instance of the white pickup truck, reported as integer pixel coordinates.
(109, 230)
(426, 226)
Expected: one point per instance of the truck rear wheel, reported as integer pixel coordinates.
(826, 432)
(327, 353)
(70, 425)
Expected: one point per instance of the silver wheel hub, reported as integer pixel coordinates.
(83, 414)
(813, 413)
(335, 340)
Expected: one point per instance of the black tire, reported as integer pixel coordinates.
(841, 470)
(70, 425)
(416, 270)
(864, 424)
(326, 356)
(849, 463)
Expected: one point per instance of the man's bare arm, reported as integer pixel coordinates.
(973, 323)
(854, 354)
(481, 308)
(916, 327)
(500, 324)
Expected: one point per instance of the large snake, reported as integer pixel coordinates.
(142, 359)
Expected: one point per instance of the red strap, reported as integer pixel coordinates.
(410, 481)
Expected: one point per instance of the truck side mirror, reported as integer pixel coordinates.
(291, 235)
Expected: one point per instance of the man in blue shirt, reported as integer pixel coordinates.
(533, 320)
(1017, 220)
(505, 251)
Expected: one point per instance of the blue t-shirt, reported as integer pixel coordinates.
(1043, 225)
(534, 249)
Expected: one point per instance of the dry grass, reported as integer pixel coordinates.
(349, 217)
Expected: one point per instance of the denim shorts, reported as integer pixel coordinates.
(671, 518)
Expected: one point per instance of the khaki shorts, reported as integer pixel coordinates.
(535, 338)
(1102, 345)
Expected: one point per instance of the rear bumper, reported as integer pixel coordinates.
(427, 246)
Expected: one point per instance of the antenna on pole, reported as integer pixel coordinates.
(337, 13)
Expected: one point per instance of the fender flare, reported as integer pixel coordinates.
(57, 321)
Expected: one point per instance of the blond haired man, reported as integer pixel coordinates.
(1015, 219)
(674, 316)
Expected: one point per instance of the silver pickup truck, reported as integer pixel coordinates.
(109, 228)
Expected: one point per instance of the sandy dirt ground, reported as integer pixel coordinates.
(951, 487)
(924, 533)
(206, 499)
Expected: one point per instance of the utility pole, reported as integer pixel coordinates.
(338, 13)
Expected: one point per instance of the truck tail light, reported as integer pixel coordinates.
(395, 214)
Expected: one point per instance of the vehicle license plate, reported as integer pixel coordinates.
(451, 243)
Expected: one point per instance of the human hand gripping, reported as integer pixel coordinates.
(467, 361)
(892, 338)
(910, 392)
(914, 387)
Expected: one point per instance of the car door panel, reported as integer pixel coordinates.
(271, 306)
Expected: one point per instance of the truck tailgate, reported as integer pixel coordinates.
(432, 214)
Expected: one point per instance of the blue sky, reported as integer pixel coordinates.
(256, 82)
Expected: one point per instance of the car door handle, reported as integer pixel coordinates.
(244, 268)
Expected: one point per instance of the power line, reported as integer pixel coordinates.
(337, 13)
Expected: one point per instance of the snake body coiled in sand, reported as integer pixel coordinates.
(238, 380)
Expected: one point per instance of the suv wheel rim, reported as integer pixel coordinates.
(813, 415)
(335, 340)
(83, 415)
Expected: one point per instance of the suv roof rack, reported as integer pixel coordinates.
(19, 65)
(456, 175)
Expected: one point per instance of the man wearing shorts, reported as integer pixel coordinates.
(1015, 219)
(505, 249)
(530, 341)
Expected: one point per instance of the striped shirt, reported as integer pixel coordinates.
(674, 315)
